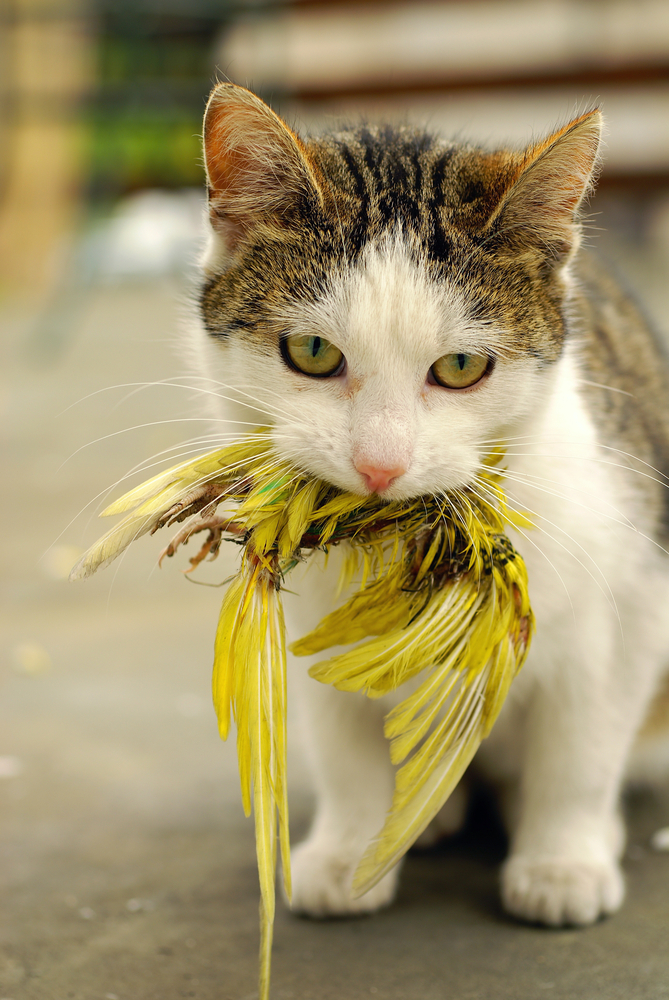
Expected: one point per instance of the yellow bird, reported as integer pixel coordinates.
(440, 589)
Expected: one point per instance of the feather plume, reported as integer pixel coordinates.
(441, 590)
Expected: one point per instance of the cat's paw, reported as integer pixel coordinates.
(560, 892)
(322, 879)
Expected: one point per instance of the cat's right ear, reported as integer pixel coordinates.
(256, 166)
(540, 210)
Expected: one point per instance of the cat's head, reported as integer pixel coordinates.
(391, 304)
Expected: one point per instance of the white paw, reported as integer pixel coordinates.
(558, 891)
(322, 879)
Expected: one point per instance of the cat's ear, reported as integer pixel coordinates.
(539, 210)
(256, 166)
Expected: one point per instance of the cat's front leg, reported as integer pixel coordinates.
(354, 783)
(581, 718)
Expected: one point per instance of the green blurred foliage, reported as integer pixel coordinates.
(155, 55)
(155, 67)
(140, 148)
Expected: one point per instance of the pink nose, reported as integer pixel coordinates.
(378, 479)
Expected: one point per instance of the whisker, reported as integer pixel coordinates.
(144, 466)
(503, 443)
(264, 405)
(523, 479)
(143, 426)
(184, 382)
(450, 497)
(610, 598)
(625, 522)
(176, 382)
(541, 552)
(611, 388)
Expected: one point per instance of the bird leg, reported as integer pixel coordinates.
(212, 523)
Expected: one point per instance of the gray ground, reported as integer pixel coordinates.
(128, 867)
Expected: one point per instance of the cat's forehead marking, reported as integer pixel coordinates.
(386, 301)
(392, 260)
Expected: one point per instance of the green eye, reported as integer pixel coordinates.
(459, 371)
(312, 355)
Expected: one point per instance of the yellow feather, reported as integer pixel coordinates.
(183, 474)
(439, 590)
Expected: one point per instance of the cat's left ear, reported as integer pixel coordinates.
(539, 211)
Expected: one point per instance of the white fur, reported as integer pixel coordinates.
(599, 587)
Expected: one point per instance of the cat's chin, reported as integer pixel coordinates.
(402, 492)
(399, 494)
(391, 495)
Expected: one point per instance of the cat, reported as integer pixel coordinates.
(396, 307)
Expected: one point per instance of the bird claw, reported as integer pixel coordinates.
(212, 523)
(206, 495)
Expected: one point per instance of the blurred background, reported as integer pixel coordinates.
(101, 101)
(128, 867)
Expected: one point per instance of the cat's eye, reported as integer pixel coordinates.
(312, 355)
(459, 371)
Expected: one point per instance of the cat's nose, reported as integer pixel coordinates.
(379, 479)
